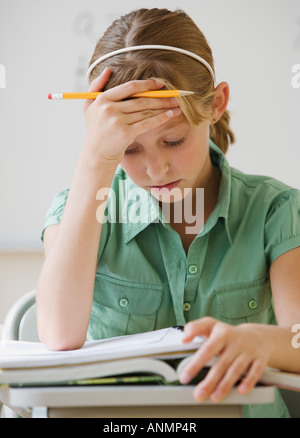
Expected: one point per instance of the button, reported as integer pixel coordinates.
(252, 304)
(186, 307)
(193, 269)
(123, 302)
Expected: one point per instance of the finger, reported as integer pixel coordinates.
(216, 373)
(233, 373)
(146, 103)
(255, 371)
(149, 123)
(203, 356)
(199, 327)
(99, 83)
(146, 115)
(124, 91)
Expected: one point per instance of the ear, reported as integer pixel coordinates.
(220, 101)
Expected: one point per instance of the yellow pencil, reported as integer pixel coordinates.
(155, 93)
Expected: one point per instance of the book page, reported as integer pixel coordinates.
(17, 354)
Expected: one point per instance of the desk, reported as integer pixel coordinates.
(126, 402)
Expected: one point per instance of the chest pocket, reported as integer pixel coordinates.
(247, 302)
(122, 307)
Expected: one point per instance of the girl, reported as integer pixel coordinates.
(229, 271)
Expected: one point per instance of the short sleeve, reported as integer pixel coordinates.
(282, 226)
(54, 214)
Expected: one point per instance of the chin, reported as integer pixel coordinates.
(171, 196)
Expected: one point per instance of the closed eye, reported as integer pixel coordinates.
(175, 143)
(131, 151)
(168, 143)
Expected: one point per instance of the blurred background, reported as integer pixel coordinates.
(45, 46)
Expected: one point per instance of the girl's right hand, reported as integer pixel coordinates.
(113, 123)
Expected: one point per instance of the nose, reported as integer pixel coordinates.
(157, 166)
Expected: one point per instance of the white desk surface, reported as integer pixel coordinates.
(84, 396)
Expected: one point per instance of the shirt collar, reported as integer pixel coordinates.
(221, 209)
(141, 209)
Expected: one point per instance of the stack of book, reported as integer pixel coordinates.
(152, 357)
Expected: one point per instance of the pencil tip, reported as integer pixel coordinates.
(187, 93)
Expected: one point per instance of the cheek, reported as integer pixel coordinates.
(197, 152)
(187, 158)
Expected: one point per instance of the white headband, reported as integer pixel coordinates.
(132, 48)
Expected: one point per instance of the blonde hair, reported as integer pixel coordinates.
(170, 28)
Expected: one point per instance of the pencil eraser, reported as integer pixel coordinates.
(49, 96)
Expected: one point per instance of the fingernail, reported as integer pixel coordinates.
(170, 113)
(160, 83)
(174, 101)
(173, 112)
(243, 388)
(216, 395)
(200, 394)
(184, 378)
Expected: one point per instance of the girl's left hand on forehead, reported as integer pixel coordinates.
(240, 352)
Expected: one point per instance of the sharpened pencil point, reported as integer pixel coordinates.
(187, 93)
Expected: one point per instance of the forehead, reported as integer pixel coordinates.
(178, 122)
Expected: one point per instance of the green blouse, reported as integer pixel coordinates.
(145, 281)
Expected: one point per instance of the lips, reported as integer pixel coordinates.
(168, 186)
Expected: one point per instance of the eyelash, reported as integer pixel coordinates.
(130, 151)
(169, 143)
(175, 143)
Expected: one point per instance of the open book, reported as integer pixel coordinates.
(143, 357)
(157, 356)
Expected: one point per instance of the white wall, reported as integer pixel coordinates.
(45, 47)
